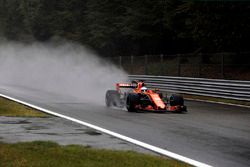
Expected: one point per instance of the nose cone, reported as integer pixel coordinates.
(158, 101)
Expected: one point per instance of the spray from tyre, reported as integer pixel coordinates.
(68, 69)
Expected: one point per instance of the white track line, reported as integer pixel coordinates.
(128, 139)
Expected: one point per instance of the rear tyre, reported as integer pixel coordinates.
(132, 101)
(112, 98)
(176, 100)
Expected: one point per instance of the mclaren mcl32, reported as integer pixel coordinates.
(135, 96)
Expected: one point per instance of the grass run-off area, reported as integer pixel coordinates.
(42, 153)
(12, 109)
(46, 153)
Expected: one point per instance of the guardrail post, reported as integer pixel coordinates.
(161, 72)
(131, 64)
(146, 64)
(222, 66)
(179, 65)
(199, 65)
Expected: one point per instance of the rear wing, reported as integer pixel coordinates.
(124, 85)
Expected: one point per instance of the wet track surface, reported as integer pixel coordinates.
(59, 130)
(218, 135)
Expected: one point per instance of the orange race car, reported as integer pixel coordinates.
(137, 97)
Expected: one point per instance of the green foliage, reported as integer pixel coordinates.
(219, 25)
(12, 19)
(118, 27)
(103, 24)
(69, 21)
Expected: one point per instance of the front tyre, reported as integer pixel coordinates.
(176, 100)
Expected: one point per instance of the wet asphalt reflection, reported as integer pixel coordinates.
(64, 132)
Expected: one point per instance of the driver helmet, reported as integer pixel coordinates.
(144, 89)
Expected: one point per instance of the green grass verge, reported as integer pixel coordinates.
(12, 109)
(38, 154)
(215, 99)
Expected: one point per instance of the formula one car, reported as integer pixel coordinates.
(137, 97)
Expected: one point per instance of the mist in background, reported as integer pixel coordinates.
(67, 69)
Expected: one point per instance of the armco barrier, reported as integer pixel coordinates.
(228, 89)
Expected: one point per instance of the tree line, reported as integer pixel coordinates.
(131, 27)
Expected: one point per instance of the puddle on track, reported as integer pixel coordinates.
(64, 132)
(15, 122)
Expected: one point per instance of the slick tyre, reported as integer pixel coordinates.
(112, 98)
(176, 100)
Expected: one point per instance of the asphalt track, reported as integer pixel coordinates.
(216, 134)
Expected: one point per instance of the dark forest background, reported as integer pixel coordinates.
(131, 27)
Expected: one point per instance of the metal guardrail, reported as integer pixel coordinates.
(228, 89)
